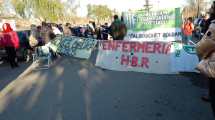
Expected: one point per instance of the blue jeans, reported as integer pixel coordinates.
(186, 39)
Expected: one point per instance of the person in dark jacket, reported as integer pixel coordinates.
(118, 29)
(211, 17)
(203, 24)
(105, 31)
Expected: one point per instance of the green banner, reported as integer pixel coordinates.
(76, 46)
(144, 20)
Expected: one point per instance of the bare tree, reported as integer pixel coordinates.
(194, 8)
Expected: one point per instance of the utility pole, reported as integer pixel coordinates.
(198, 7)
(147, 6)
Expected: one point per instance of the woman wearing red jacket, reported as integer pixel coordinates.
(11, 43)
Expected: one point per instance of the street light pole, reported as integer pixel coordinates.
(198, 7)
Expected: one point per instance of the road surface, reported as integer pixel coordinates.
(74, 89)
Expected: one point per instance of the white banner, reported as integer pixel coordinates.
(148, 57)
(157, 34)
(160, 25)
(184, 58)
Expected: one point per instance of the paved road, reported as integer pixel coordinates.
(75, 89)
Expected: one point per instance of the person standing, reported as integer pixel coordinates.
(203, 30)
(187, 29)
(211, 80)
(118, 29)
(105, 31)
(211, 18)
(66, 30)
(56, 30)
(11, 43)
(205, 27)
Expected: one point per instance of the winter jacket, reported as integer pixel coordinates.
(9, 37)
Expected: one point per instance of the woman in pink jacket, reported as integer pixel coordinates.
(11, 43)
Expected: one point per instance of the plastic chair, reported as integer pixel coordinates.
(42, 53)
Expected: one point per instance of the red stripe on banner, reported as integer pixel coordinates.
(131, 46)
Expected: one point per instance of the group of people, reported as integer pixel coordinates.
(43, 34)
(117, 30)
(196, 28)
(201, 29)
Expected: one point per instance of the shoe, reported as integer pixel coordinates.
(205, 98)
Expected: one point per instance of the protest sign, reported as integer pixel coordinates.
(163, 25)
(77, 47)
(55, 44)
(184, 58)
(148, 57)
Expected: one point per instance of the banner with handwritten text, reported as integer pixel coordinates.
(148, 57)
(184, 58)
(77, 47)
(162, 25)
